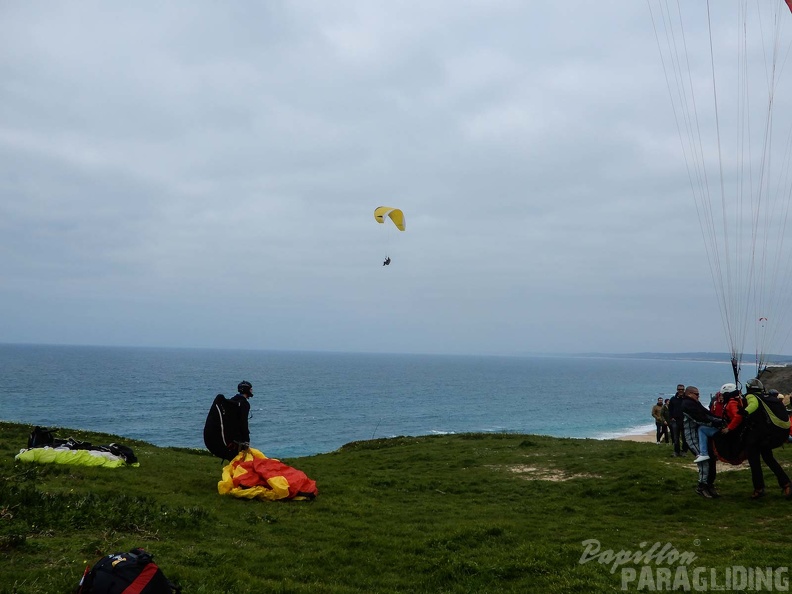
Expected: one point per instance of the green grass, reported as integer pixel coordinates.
(453, 513)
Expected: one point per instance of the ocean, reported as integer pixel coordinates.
(306, 403)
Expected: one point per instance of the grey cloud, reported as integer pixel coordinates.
(173, 173)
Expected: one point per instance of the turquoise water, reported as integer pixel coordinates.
(307, 403)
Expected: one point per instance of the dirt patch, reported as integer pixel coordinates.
(533, 473)
(722, 466)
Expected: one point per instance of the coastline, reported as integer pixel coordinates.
(642, 433)
(648, 436)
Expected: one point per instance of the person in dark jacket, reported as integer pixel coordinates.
(245, 392)
(677, 421)
(758, 447)
(695, 414)
(666, 420)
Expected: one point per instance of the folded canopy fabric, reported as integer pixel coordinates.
(63, 455)
(251, 475)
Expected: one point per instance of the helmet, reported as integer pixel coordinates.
(773, 393)
(728, 389)
(754, 386)
(245, 387)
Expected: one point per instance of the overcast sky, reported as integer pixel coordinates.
(204, 174)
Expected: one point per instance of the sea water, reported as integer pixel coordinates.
(306, 403)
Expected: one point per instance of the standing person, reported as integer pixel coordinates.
(242, 407)
(677, 421)
(657, 413)
(695, 415)
(226, 429)
(730, 444)
(666, 419)
(757, 438)
(717, 405)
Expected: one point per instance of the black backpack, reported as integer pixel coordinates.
(126, 573)
(776, 406)
(40, 437)
(126, 453)
(222, 430)
(774, 436)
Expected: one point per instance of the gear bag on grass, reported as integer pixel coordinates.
(126, 573)
(40, 437)
(222, 431)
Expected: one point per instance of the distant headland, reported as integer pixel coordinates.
(776, 376)
(698, 356)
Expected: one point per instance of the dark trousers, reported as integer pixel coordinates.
(662, 431)
(708, 471)
(754, 453)
(678, 437)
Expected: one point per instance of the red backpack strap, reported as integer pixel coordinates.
(142, 580)
(86, 581)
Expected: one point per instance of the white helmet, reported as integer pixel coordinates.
(728, 389)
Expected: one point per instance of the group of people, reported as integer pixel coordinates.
(741, 427)
(669, 420)
(662, 417)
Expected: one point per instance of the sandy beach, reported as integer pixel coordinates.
(649, 436)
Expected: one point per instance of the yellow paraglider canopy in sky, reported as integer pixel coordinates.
(396, 215)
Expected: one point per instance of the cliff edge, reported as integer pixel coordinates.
(778, 378)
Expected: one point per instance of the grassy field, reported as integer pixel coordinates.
(453, 513)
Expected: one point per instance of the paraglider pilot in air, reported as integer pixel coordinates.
(397, 218)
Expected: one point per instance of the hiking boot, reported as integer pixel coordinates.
(704, 491)
(701, 459)
(758, 493)
(787, 491)
(713, 491)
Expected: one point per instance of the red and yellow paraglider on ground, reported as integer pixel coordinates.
(251, 475)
